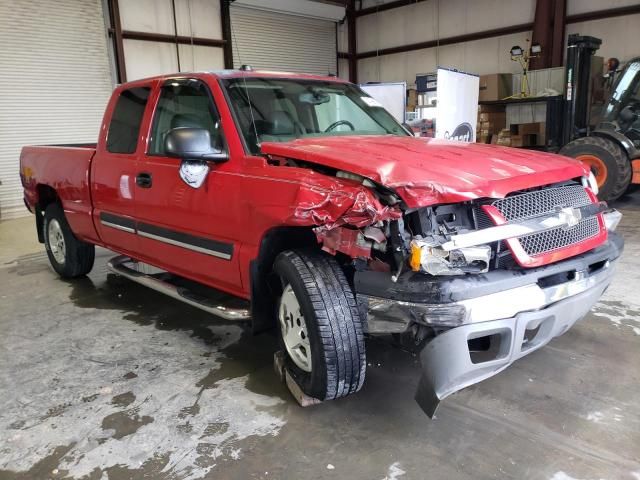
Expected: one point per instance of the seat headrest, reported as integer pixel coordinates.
(281, 123)
(188, 120)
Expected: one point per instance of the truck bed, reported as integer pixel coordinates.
(65, 169)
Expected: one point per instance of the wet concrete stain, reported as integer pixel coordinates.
(124, 399)
(252, 355)
(55, 411)
(248, 360)
(44, 468)
(125, 423)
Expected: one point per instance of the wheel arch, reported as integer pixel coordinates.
(46, 195)
(264, 284)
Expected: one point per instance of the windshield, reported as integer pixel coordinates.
(626, 94)
(281, 110)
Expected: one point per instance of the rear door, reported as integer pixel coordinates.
(181, 228)
(113, 170)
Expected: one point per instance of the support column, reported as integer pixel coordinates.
(352, 45)
(548, 31)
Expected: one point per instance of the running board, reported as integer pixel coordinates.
(138, 272)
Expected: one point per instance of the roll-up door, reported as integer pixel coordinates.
(277, 41)
(55, 81)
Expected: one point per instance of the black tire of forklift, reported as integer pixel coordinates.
(78, 255)
(616, 161)
(333, 322)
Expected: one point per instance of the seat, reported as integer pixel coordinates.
(187, 120)
(280, 127)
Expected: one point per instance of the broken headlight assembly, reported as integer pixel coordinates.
(428, 257)
(429, 249)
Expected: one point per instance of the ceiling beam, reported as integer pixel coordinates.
(497, 32)
(383, 7)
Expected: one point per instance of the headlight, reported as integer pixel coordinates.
(435, 260)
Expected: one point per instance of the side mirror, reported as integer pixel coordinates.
(192, 144)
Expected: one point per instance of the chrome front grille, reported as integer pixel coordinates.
(541, 202)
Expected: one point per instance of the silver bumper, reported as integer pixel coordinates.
(451, 362)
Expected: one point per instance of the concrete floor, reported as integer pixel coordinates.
(101, 378)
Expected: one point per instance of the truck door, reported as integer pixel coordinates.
(181, 226)
(113, 169)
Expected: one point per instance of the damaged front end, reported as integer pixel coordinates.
(478, 284)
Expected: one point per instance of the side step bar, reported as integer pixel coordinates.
(125, 266)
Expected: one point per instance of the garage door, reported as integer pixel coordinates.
(276, 41)
(54, 83)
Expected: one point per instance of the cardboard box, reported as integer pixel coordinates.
(495, 86)
(517, 141)
(412, 99)
(495, 117)
(533, 134)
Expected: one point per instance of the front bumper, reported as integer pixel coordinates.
(507, 314)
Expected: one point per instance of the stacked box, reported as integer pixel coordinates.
(503, 138)
(495, 86)
(530, 134)
(412, 99)
(489, 124)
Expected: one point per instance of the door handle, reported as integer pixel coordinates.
(144, 180)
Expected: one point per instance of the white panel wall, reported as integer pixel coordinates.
(152, 16)
(429, 20)
(575, 7)
(200, 58)
(619, 35)
(146, 59)
(490, 55)
(199, 18)
(194, 18)
(426, 21)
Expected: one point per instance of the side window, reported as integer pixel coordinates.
(184, 105)
(125, 121)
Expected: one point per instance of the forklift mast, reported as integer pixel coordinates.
(575, 121)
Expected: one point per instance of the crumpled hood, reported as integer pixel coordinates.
(427, 171)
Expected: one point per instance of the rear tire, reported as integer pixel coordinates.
(609, 163)
(69, 257)
(330, 321)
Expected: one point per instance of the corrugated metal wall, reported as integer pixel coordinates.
(55, 81)
(276, 41)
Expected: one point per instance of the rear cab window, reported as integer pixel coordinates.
(124, 127)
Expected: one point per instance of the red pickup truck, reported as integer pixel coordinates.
(304, 200)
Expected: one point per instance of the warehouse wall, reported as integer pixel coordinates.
(433, 19)
(193, 18)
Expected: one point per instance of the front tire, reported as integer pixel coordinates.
(608, 162)
(69, 257)
(320, 325)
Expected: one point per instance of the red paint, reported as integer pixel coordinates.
(425, 171)
(246, 196)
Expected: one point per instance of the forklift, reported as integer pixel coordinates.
(612, 148)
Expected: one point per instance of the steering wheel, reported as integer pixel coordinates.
(334, 125)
